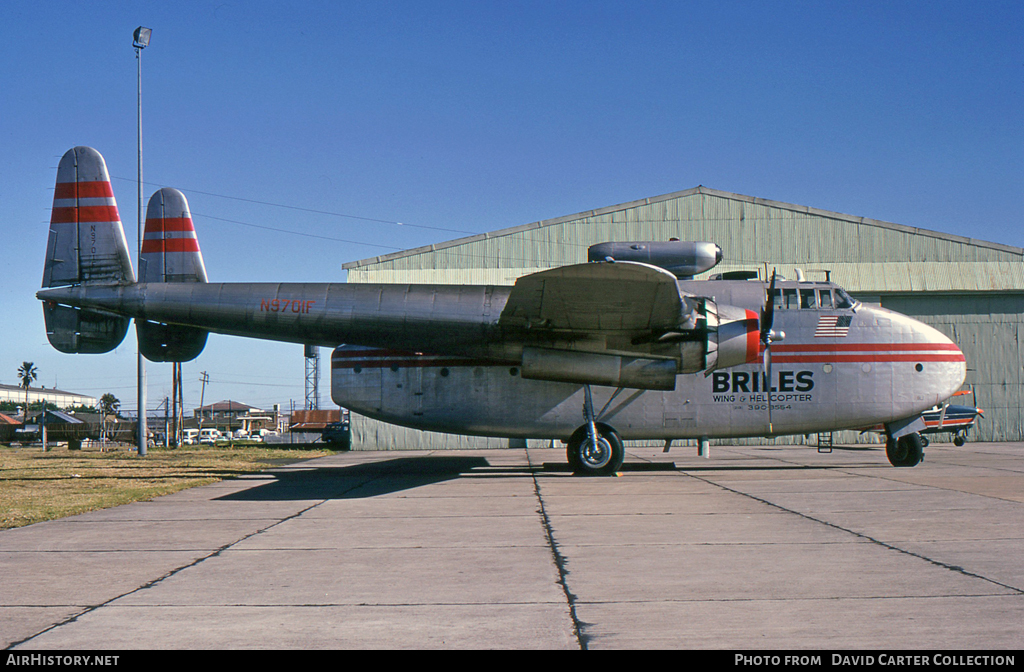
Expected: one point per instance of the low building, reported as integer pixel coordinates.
(313, 421)
(7, 427)
(59, 398)
(225, 416)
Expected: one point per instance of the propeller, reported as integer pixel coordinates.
(767, 337)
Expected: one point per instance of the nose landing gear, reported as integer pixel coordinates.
(906, 451)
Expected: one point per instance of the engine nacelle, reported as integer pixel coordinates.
(737, 340)
(683, 259)
(714, 337)
(717, 336)
(573, 366)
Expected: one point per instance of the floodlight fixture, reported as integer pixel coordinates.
(141, 37)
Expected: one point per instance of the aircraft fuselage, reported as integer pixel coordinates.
(876, 367)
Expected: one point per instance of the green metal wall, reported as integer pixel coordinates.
(988, 330)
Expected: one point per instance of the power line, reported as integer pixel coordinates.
(524, 238)
(310, 210)
(295, 233)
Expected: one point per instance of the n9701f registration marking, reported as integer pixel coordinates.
(282, 305)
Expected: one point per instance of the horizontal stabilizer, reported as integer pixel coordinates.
(77, 330)
(170, 342)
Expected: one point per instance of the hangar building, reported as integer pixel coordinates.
(971, 290)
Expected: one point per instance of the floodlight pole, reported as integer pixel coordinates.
(140, 42)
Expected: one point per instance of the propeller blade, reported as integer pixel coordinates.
(766, 363)
(768, 312)
(767, 319)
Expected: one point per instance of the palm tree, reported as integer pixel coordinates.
(27, 373)
(109, 405)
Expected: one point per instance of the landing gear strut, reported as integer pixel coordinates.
(595, 448)
(906, 451)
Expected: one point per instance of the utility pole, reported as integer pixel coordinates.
(177, 404)
(204, 379)
(174, 406)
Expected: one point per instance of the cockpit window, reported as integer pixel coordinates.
(810, 298)
(843, 299)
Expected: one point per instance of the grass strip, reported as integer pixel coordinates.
(37, 486)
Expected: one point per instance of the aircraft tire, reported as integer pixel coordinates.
(907, 451)
(958, 441)
(572, 447)
(605, 462)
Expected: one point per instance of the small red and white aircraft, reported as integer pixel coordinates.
(626, 346)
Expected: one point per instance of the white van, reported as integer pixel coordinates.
(190, 437)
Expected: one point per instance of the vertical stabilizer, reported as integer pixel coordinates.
(170, 249)
(170, 253)
(86, 243)
(86, 246)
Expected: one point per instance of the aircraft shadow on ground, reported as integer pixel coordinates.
(359, 481)
(384, 477)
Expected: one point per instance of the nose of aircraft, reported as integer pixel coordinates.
(938, 365)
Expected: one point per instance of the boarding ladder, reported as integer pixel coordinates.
(824, 442)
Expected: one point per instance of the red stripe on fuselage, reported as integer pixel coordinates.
(377, 352)
(83, 190)
(412, 363)
(835, 359)
(383, 358)
(860, 347)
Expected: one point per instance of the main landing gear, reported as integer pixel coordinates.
(906, 451)
(595, 448)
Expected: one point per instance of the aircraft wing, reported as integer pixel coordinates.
(595, 299)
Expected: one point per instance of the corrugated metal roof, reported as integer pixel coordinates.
(870, 277)
(749, 229)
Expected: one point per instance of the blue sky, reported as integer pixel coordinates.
(464, 117)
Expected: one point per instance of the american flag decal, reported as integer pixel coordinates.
(833, 326)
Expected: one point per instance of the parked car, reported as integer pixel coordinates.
(338, 434)
(209, 436)
(190, 437)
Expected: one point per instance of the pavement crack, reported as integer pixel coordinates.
(861, 535)
(177, 570)
(559, 559)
